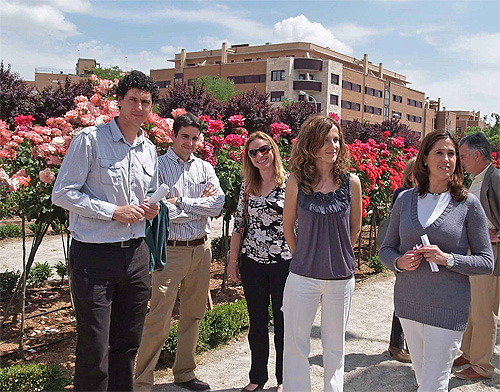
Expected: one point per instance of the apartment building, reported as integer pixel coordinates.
(452, 120)
(353, 88)
(45, 77)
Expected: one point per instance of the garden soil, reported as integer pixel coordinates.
(368, 366)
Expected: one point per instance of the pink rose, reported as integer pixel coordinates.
(177, 112)
(46, 176)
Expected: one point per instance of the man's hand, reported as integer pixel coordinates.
(150, 210)
(209, 191)
(128, 214)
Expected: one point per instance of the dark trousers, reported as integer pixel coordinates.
(259, 282)
(110, 287)
(397, 335)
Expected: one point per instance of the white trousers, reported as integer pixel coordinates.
(432, 351)
(300, 302)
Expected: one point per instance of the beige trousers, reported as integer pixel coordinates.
(189, 268)
(478, 342)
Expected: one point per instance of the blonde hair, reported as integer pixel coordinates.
(251, 174)
(310, 139)
(410, 164)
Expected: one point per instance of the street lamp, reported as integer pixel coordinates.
(309, 96)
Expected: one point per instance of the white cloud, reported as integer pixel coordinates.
(210, 42)
(479, 48)
(35, 20)
(76, 6)
(299, 28)
(353, 34)
(170, 50)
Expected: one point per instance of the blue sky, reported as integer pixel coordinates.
(446, 48)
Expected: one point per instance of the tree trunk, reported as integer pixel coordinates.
(225, 235)
(23, 291)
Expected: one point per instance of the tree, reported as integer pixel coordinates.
(16, 97)
(56, 101)
(192, 98)
(111, 73)
(222, 89)
(294, 114)
(255, 107)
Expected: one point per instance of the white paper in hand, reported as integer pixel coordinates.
(425, 241)
(159, 194)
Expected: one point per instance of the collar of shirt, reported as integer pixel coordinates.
(173, 156)
(117, 134)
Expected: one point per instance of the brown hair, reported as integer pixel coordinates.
(410, 165)
(310, 139)
(251, 174)
(421, 171)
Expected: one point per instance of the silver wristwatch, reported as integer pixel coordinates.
(450, 261)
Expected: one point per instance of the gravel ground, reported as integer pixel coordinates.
(368, 366)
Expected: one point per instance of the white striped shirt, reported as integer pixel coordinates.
(189, 219)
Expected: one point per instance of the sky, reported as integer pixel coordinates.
(449, 49)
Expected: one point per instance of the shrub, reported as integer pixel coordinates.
(39, 274)
(217, 327)
(294, 114)
(218, 247)
(8, 280)
(61, 270)
(10, 231)
(376, 264)
(33, 377)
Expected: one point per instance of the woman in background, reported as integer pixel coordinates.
(265, 257)
(325, 201)
(433, 307)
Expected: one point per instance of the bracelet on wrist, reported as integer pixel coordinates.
(233, 261)
(396, 265)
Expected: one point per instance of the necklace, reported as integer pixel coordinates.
(436, 194)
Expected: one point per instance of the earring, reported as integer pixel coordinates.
(425, 164)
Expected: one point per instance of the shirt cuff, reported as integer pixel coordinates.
(106, 211)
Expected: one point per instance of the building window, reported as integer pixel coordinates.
(334, 79)
(413, 118)
(258, 58)
(277, 96)
(191, 82)
(248, 79)
(334, 99)
(278, 75)
(397, 98)
(302, 76)
(311, 77)
(412, 102)
(372, 109)
(351, 105)
(247, 60)
(397, 114)
(351, 86)
(373, 92)
(217, 62)
(164, 84)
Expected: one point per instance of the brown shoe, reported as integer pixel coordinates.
(460, 361)
(468, 374)
(400, 354)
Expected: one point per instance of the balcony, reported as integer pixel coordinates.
(311, 64)
(307, 85)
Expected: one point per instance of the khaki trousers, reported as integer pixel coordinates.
(478, 342)
(189, 268)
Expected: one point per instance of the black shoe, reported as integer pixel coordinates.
(194, 385)
(258, 387)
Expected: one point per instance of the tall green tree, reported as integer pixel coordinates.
(222, 89)
(113, 72)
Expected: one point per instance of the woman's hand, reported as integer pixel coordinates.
(410, 261)
(233, 271)
(433, 253)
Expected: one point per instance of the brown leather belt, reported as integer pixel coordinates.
(190, 243)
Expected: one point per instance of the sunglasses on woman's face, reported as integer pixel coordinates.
(262, 149)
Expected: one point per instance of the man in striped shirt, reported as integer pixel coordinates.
(194, 196)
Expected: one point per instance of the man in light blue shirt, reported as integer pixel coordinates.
(103, 182)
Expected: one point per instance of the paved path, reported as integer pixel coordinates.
(368, 366)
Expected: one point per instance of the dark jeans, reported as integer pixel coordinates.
(259, 282)
(110, 287)
(397, 335)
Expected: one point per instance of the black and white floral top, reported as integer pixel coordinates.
(264, 241)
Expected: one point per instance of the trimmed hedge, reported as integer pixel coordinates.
(219, 325)
(33, 377)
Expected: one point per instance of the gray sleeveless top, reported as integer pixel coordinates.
(324, 249)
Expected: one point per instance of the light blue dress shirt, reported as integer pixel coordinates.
(101, 171)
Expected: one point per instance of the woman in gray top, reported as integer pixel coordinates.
(432, 228)
(325, 200)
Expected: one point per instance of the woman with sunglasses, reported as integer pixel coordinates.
(265, 257)
(325, 201)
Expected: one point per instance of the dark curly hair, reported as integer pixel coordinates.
(310, 139)
(137, 79)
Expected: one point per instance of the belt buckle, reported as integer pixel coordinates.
(187, 243)
(125, 244)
